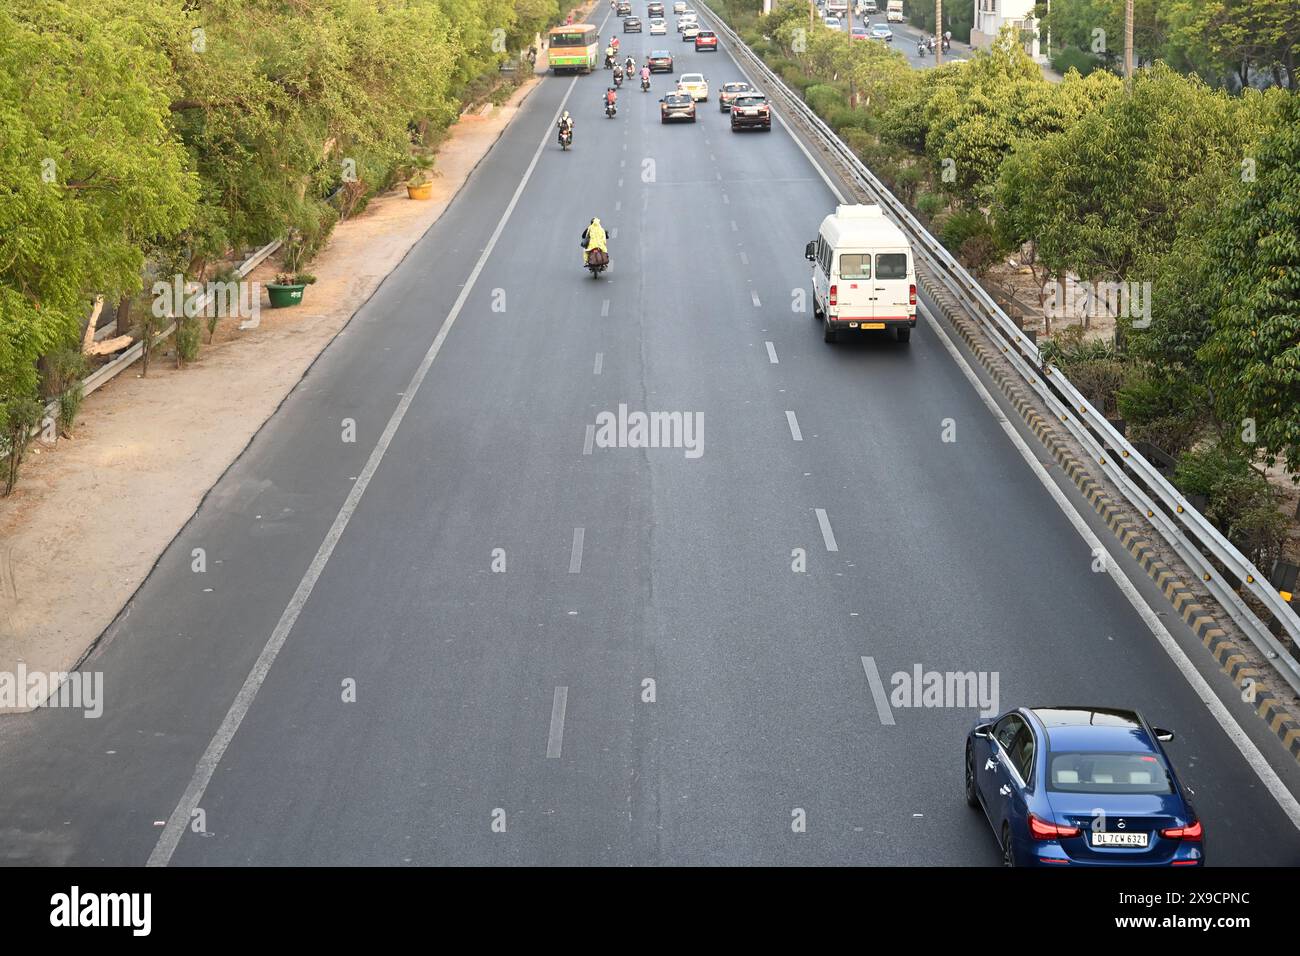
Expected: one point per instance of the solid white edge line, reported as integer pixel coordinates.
(179, 819)
(1272, 782)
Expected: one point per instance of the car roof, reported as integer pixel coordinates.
(691, 76)
(660, 53)
(1094, 729)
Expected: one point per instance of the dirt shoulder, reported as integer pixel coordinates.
(91, 515)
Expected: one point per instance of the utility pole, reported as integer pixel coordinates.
(938, 32)
(1128, 45)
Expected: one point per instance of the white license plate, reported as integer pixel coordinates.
(1119, 839)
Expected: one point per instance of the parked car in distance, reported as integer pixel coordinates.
(677, 106)
(729, 91)
(751, 111)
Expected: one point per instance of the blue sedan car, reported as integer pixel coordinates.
(1081, 786)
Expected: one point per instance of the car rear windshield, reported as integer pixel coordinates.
(855, 265)
(749, 101)
(734, 87)
(1107, 773)
(677, 99)
(891, 265)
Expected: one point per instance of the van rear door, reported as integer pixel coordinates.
(855, 290)
(892, 285)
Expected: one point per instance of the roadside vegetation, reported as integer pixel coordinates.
(148, 138)
(1179, 187)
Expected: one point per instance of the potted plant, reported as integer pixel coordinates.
(419, 181)
(287, 288)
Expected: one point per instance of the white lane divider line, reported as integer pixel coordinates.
(771, 350)
(618, 206)
(726, 200)
(179, 820)
(734, 227)
(620, 182)
(753, 297)
(555, 739)
(794, 426)
(827, 534)
(744, 259)
(604, 309)
(883, 709)
(600, 363)
(575, 554)
(590, 440)
(613, 233)
(622, 163)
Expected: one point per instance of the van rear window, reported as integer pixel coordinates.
(854, 265)
(891, 265)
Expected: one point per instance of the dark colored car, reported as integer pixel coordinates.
(1082, 786)
(751, 111)
(660, 61)
(706, 40)
(655, 10)
(632, 25)
(624, 9)
(730, 91)
(677, 106)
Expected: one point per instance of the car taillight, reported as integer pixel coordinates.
(1190, 833)
(911, 295)
(833, 295)
(1043, 830)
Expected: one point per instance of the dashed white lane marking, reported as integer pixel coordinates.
(734, 227)
(621, 164)
(725, 200)
(878, 691)
(620, 182)
(771, 353)
(827, 534)
(744, 259)
(604, 309)
(590, 440)
(179, 820)
(600, 363)
(575, 554)
(618, 206)
(753, 297)
(555, 740)
(794, 426)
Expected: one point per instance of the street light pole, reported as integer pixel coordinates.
(1128, 45)
(938, 32)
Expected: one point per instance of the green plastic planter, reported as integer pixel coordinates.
(283, 296)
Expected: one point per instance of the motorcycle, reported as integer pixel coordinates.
(566, 138)
(629, 70)
(597, 262)
(610, 110)
(920, 49)
(609, 61)
(645, 85)
(618, 79)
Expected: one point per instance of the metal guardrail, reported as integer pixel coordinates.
(1196, 541)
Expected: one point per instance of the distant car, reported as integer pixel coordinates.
(729, 91)
(833, 23)
(706, 40)
(955, 59)
(658, 28)
(624, 9)
(694, 84)
(690, 31)
(1081, 786)
(660, 61)
(686, 20)
(751, 111)
(655, 9)
(868, 7)
(679, 6)
(860, 33)
(881, 31)
(632, 25)
(677, 106)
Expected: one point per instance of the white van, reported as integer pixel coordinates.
(894, 11)
(862, 275)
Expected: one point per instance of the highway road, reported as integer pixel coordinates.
(518, 699)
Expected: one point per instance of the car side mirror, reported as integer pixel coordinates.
(1163, 735)
(810, 251)
(983, 730)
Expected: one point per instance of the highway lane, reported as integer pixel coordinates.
(949, 555)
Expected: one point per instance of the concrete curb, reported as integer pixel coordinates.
(1209, 624)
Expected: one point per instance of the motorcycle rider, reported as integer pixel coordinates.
(618, 77)
(645, 77)
(611, 98)
(566, 126)
(593, 237)
(629, 65)
(609, 57)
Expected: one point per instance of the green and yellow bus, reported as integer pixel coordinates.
(574, 46)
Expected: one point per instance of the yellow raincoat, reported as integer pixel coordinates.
(595, 239)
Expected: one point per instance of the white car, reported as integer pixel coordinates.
(679, 6)
(694, 84)
(686, 20)
(833, 23)
(658, 28)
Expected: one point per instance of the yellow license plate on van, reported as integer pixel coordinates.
(872, 325)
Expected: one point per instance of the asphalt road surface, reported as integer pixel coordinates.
(520, 697)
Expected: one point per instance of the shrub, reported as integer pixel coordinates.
(931, 204)
(1165, 410)
(1239, 499)
(64, 371)
(977, 253)
(1072, 58)
(824, 98)
(18, 417)
(188, 337)
(906, 180)
(963, 224)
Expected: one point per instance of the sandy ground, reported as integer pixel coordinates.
(91, 515)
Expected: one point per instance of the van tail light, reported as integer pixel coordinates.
(1190, 833)
(1041, 829)
(911, 295)
(833, 295)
